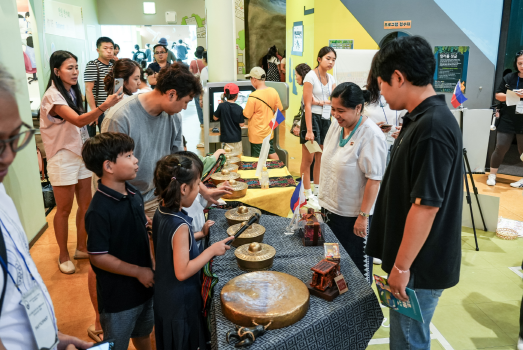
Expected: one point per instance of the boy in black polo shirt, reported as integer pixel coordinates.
(230, 115)
(118, 243)
(416, 229)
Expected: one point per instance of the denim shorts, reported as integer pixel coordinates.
(121, 326)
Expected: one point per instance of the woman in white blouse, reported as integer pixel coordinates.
(353, 164)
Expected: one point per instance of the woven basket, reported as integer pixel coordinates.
(506, 233)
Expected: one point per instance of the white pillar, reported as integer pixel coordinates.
(221, 40)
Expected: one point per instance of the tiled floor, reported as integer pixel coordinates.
(481, 312)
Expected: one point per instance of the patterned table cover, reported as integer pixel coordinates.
(348, 322)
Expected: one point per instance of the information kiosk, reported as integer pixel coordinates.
(213, 96)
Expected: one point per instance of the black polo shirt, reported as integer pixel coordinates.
(427, 163)
(115, 225)
(230, 116)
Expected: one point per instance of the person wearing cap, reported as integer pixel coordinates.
(161, 61)
(260, 108)
(230, 115)
(170, 55)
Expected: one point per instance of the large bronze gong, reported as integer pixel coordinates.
(263, 297)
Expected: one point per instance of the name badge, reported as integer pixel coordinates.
(42, 323)
(519, 107)
(326, 113)
(84, 134)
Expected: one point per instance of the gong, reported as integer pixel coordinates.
(265, 296)
(254, 256)
(240, 214)
(253, 234)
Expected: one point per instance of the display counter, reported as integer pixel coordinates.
(348, 322)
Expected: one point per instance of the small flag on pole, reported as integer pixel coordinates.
(458, 98)
(298, 197)
(277, 120)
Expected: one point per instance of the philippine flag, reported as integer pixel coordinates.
(298, 197)
(457, 98)
(277, 120)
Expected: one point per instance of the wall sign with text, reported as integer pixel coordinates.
(451, 66)
(397, 24)
(297, 38)
(342, 44)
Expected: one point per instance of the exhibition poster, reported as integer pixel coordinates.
(297, 39)
(342, 44)
(451, 67)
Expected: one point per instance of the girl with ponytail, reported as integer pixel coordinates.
(230, 115)
(178, 259)
(129, 71)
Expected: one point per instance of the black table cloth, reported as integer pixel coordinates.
(348, 322)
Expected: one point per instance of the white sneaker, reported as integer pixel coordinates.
(376, 261)
(491, 181)
(316, 190)
(520, 344)
(312, 202)
(517, 184)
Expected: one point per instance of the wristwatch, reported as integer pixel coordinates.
(365, 215)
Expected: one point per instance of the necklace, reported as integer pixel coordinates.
(343, 141)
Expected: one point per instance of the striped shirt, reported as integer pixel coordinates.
(91, 74)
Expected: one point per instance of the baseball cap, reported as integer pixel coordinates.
(257, 73)
(163, 42)
(233, 88)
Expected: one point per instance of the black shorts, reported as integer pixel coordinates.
(320, 127)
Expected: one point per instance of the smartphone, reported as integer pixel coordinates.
(385, 126)
(118, 83)
(105, 345)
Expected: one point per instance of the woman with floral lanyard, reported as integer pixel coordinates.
(353, 164)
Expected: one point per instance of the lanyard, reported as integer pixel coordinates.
(321, 85)
(343, 141)
(385, 114)
(73, 95)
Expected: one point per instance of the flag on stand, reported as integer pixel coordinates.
(298, 197)
(458, 98)
(277, 120)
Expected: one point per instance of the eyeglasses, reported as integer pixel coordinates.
(159, 53)
(18, 142)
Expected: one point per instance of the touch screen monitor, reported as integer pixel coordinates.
(216, 96)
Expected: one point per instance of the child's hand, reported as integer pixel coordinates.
(206, 227)
(219, 248)
(218, 152)
(146, 276)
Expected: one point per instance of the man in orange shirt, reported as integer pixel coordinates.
(260, 108)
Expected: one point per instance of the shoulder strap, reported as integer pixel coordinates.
(97, 85)
(3, 254)
(263, 102)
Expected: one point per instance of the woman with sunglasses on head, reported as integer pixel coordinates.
(160, 55)
(510, 120)
(63, 127)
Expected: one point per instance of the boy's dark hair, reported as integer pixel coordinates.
(180, 41)
(171, 172)
(105, 146)
(411, 55)
(177, 76)
(228, 96)
(116, 46)
(102, 40)
(351, 95)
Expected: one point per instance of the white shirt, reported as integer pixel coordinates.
(195, 211)
(273, 60)
(319, 91)
(345, 170)
(381, 112)
(204, 76)
(15, 329)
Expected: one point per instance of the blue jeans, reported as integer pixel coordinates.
(409, 334)
(198, 108)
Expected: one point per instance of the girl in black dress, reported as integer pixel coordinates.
(510, 120)
(179, 324)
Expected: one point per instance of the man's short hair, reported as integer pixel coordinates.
(105, 146)
(177, 76)
(180, 41)
(411, 55)
(102, 40)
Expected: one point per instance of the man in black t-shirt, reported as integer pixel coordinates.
(416, 229)
(230, 115)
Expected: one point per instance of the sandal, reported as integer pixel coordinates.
(93, 333)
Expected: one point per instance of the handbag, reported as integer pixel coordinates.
(296, 122)
(48, 194)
